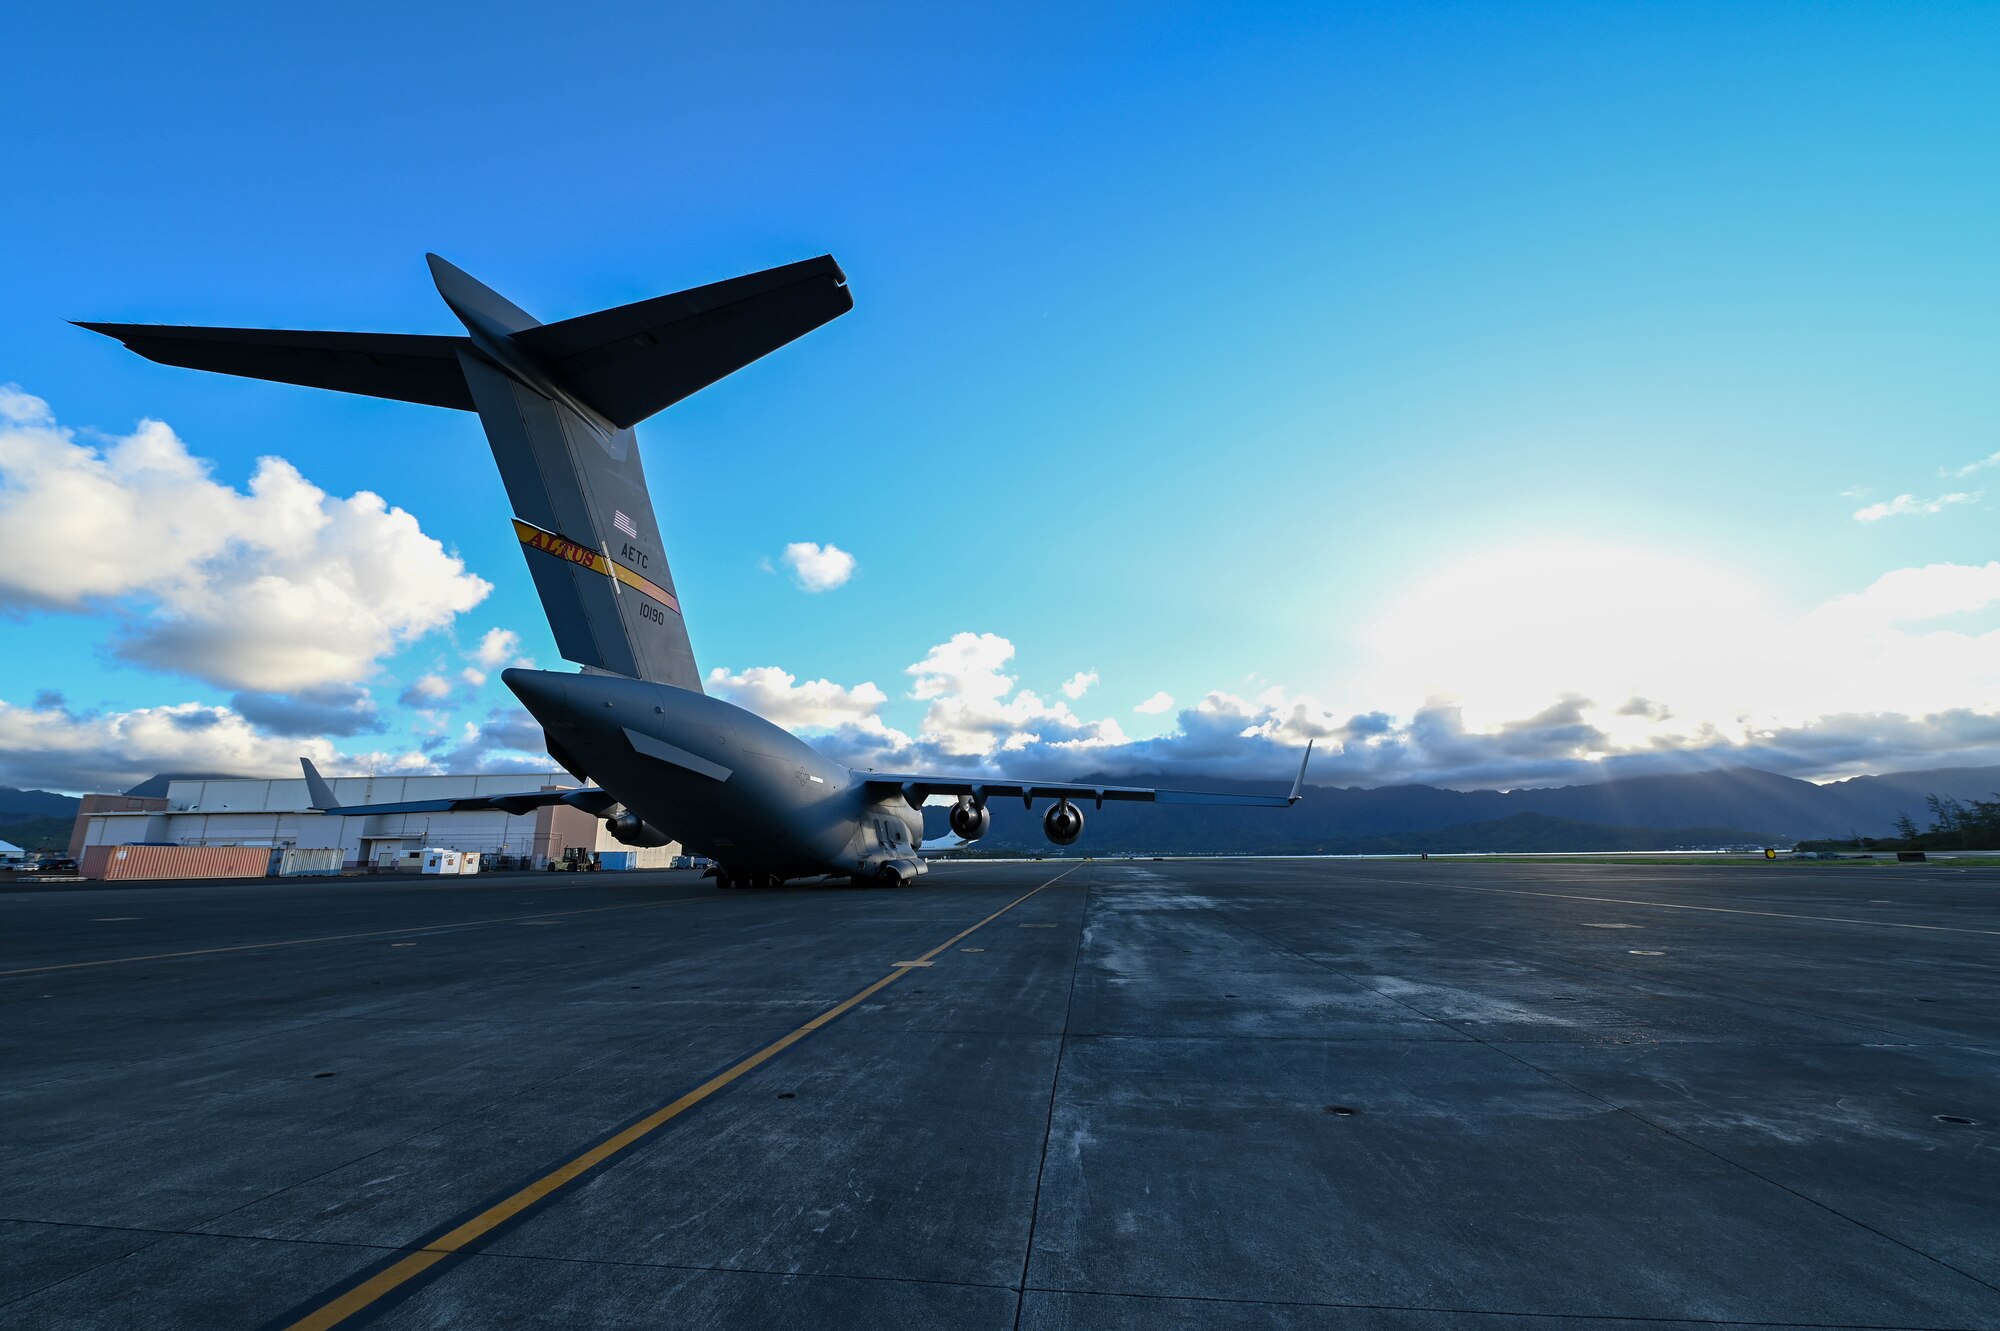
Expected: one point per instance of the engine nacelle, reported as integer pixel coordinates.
(1063, 823)
(632, 830)
(969, 820)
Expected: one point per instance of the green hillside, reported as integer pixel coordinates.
(37, 833)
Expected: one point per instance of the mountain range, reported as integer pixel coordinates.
(1726, 806)
(1719, 807)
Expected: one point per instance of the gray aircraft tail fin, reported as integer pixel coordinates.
(584, 517)
(558, 402)
(318, 793)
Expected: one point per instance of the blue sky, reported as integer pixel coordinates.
(1190, 348)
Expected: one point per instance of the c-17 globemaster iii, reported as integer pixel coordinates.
(559, 402)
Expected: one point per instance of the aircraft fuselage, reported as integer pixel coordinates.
(721, 780)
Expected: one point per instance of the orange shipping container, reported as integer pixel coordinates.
(176, 861)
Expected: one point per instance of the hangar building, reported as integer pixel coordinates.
(231, 811)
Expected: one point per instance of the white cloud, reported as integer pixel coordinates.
(974, 708)
(1507, 631)
(965, 668)
(497, 648)
(56, 748)
(817, 705)
(336, 709)
(1079, 684)
(1495, 642)
(51, 746)
(425, 691)
(818, 568)
(971, 711)
(1531, 666)
(1908, 595)
(1990, 460)
(278, 589)
(507, 739)
(1905, 504)
(473, 677)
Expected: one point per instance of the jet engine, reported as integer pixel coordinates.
(1063, 823)
(632, 830)
(969, 820)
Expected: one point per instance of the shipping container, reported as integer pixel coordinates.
(313, 861)
(649, 857)
(176, 861)
(468, 862)
(440, 861)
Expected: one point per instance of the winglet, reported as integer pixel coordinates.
(1299, 782)
(317, 790)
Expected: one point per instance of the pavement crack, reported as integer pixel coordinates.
(1055, 1083)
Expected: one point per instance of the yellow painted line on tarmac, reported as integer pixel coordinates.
(341, 938)
(1719, 910)
(339, 1309)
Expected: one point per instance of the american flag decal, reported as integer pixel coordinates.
(624, 524)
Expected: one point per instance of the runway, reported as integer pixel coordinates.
(1068, 1094)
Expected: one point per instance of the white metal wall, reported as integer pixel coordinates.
(273, 813)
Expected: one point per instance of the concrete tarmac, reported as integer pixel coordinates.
(1237, 1094)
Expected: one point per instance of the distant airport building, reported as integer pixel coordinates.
(233, 811)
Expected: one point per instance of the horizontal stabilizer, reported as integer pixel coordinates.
(408, 367)
(634, 360)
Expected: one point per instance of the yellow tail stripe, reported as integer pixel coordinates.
(584, 557)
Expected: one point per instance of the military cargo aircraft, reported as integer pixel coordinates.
(662, 760)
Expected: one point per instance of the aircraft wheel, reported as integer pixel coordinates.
(724, 880)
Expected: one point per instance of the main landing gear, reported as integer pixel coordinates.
(724, 878)
(886, 876)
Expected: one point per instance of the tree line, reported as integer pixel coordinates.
(1955, 825)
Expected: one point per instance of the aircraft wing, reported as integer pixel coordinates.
(590, 799)
(917, 787)
(409, 367)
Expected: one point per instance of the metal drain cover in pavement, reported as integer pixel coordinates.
(1958, 1119)
(1644, 952)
